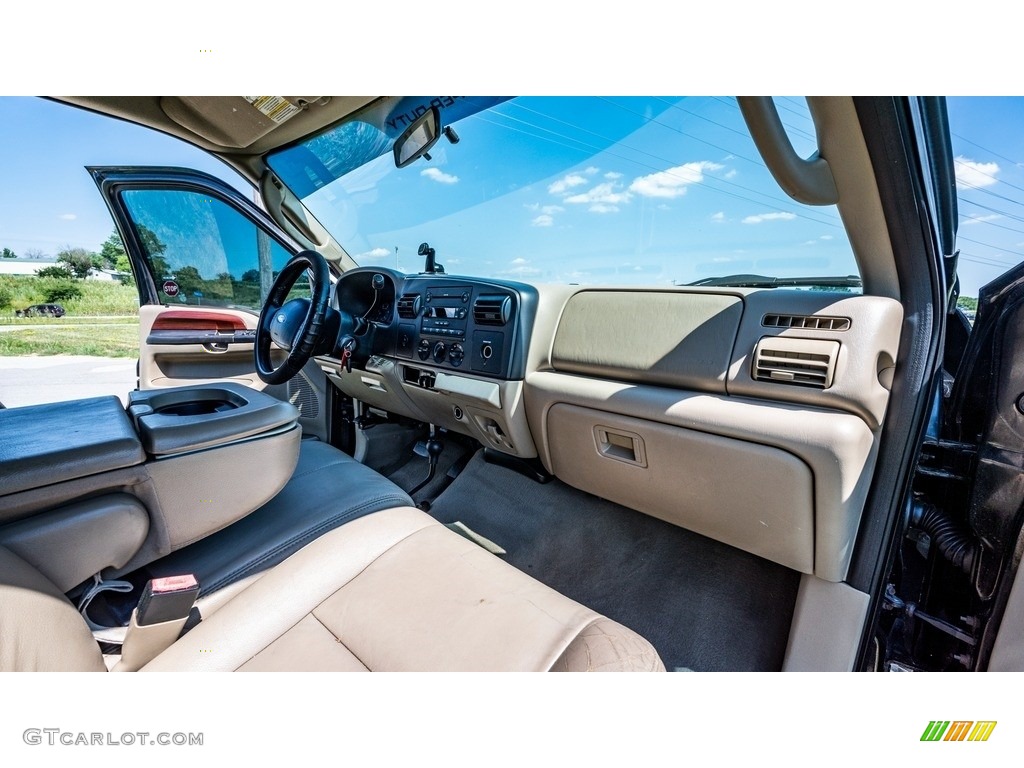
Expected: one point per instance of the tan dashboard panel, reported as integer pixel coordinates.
(672, 338)
(866, 330)
(754, 497)
(838, 448)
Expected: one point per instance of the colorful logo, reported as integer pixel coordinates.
(958, 730)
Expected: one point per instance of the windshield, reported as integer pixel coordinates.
(652, 190)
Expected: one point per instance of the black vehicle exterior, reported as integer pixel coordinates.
(42, 310)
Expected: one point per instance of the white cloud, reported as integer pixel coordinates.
(602, 193)
(521, 268)
(811, 242)
(376, 253)
(68, 216)
(674, 181)
(591, 170)
(719, 217)
(730, 174)
(826, 237)
(438, 175)
(520, 260)
(602, 208)
(549, 209)
(981, 219)
(974, 175)
(544, 220)
(664, 207)
(566, 183)
(774, 216)
(613, 175)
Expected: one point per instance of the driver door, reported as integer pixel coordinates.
(203, 259)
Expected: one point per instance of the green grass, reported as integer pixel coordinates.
(98, 297)
(67, 320)
(107, 340)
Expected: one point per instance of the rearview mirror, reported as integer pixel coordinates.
(418, 138)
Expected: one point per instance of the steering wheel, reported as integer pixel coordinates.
(295, 326)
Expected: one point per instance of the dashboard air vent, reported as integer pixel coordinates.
(813, 322)
(492, 310)
(409, 306)
(803, 362)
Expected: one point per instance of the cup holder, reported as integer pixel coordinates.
(176, 421)
(200, 408)
(196, 402)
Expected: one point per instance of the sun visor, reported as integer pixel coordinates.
(234, 123)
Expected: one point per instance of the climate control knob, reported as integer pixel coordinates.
(423, 350)
(439, 352)
(456, 355)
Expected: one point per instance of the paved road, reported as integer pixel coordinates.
(32, 380)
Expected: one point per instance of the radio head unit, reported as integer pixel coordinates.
(446, 311)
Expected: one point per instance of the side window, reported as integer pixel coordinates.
(203, 252)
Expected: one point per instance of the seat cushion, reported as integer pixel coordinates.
(397, 591)
(327, 489)
(41, 630)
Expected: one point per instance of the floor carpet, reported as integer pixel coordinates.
(704, 605)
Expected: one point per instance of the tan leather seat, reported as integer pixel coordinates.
(393, 591)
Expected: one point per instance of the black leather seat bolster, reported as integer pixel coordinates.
(329, 488)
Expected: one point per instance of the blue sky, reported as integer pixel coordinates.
(621, 190)
(50, 200)
(681, 197)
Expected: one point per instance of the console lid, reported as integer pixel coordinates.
(50, 443)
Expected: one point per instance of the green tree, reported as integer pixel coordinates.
(189, 280)
(124, 266)
(6, 297)
(62, 290)
(967, 302)
(58, 272)
(152, 243)
(7, 253)
(78, 260)
(112, 251)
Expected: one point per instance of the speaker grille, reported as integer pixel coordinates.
(302, 395)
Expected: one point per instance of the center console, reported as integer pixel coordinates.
(454, 355)
(90, 487)
(458, 326)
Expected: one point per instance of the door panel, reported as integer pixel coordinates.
(181, 346)
(204, 258)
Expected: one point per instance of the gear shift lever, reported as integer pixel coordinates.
(435, 447)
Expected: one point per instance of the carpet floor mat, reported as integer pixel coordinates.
(704, 605)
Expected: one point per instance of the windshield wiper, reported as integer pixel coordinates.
(761, 281)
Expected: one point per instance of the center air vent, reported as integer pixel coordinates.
(804, 362)
(409, 306)
(492, 310)
(813, 322)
